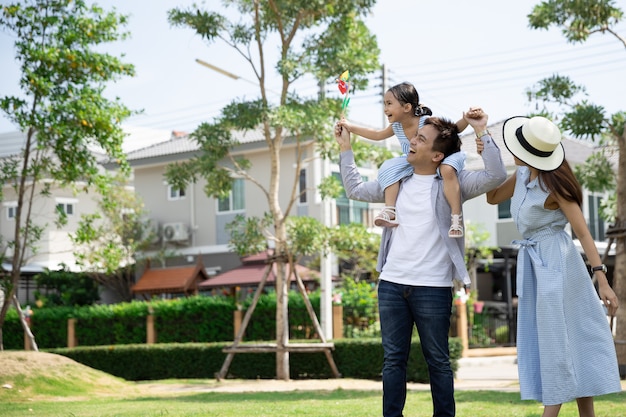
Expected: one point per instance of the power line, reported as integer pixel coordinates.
(497, 70)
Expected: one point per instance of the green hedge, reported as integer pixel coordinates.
(183, 320)
(355, 358)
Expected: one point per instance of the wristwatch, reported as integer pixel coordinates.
(599, 268)
(482, 133)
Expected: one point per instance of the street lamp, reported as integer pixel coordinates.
(223, 71)
(230, 74)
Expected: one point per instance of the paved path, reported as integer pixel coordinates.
(481, 373)
(496, 373)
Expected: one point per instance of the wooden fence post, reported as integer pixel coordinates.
(27, 344)
(71, 333)
(237, 318)
(337, 321)
(150, 330)
(461, 325)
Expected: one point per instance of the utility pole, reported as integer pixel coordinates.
(385, 86)
(326, 283)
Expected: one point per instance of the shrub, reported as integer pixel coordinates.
(355, 358)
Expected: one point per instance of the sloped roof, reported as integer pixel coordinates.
(251, 273)
(172, 280)
(184, 143)
(12, 143)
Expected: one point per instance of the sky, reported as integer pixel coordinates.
(457, 53)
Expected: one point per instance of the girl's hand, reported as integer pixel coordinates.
(345, 124)
(474, 113)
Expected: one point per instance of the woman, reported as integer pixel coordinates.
(564, 345)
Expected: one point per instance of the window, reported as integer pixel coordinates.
(11, 210)
(235, 200)
(65, 208)
(351, 211)
(504, 209)
(302, 186)
(596, 224)
(174, 193)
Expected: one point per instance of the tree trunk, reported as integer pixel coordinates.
(282, 320)
(619, 286)
(25, 324)
(619, 273)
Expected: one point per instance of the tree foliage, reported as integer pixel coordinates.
(108, 241)
(578, 19)
(65, 288)
(61, 109)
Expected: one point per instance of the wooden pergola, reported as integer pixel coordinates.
(172, 280)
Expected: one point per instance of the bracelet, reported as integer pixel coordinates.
(483, 133)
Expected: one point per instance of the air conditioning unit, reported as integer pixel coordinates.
(175, 232)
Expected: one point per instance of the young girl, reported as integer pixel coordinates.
(406, 115)
(565, 347)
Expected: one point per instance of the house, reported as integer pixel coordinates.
(190, 223)
(54, 249)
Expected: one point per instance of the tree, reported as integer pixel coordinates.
(357, 249)
(107, 242)
(66, 288)
(579, 20)
(318, 39)
(62, 110)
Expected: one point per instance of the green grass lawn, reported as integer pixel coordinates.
(336, 403)
(42, 384)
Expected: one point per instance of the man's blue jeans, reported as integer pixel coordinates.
(400, 306)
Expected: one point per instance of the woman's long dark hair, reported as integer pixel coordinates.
(563, 183)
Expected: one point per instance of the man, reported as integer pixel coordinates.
(417, 260)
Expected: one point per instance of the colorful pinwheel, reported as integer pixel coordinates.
(344, 88)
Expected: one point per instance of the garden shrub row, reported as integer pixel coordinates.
(355, 358)
(182, 320)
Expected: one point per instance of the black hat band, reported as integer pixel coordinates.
(522, 140)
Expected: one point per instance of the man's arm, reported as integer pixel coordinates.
(355, 187)
(475, 183)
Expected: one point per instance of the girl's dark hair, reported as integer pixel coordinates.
(406, 93)
(563, 183)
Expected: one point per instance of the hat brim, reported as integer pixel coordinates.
(511, 142)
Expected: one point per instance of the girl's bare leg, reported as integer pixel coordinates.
(391, 194)
(452, 192)
(387, 216)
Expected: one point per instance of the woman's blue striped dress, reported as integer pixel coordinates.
(564, 345)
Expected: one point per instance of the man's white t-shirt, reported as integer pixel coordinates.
(417, 253)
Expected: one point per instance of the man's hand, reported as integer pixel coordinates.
(480, 146)
(342, 136)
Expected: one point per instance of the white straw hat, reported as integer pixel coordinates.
(535, 141)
